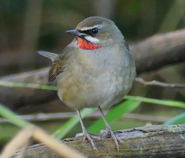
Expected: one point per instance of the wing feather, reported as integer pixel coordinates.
(59, 64)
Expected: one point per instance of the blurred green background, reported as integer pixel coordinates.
(30, 25)
(27, 26)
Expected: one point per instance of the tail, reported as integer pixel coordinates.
(49, 55)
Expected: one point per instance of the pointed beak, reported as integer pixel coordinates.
(75, 32)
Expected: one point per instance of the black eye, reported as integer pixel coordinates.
(95, 31)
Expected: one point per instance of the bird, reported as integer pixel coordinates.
(95, 70)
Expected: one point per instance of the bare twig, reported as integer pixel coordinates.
(157, 83)
(146, 118)
(67, 115)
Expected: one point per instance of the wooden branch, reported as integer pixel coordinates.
(23, 96)
(147, 142)
(159, 50)
(150, 54)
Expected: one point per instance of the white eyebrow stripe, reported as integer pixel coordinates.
(91, 39)
(92, 27)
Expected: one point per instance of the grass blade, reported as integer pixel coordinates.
(171, 103)
(15, 119)
(176, 120)
(27, 85)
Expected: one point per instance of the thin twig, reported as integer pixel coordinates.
(157, 83)
(67, 115)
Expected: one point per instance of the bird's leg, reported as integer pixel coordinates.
(108, 130)
(86, 135)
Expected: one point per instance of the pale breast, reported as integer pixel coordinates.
(95, 79)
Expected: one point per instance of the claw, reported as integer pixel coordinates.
(108, 131)
(115, 139)
(93, 136)
(89, 137)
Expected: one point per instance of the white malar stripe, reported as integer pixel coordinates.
(91, 39)
(90, 28)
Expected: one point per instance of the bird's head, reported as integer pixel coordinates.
(96, 32)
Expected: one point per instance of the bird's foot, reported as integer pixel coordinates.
(93, 136)
(108, 132)
(88, 136)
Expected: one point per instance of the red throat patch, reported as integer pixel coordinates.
(83, 44)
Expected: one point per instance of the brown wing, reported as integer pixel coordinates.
(59, 64)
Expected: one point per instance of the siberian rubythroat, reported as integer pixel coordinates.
(95, 70)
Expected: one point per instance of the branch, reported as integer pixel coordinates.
(23, 96)
(161, 84)
(159, 50)
(67, 115)
(150, 141)
(150, 54)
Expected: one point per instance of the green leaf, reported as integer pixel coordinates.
(114, 114)
(176, 120)
(64, 129)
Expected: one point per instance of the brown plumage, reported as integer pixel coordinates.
(59, 63)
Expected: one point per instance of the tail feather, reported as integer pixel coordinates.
(49, 55)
